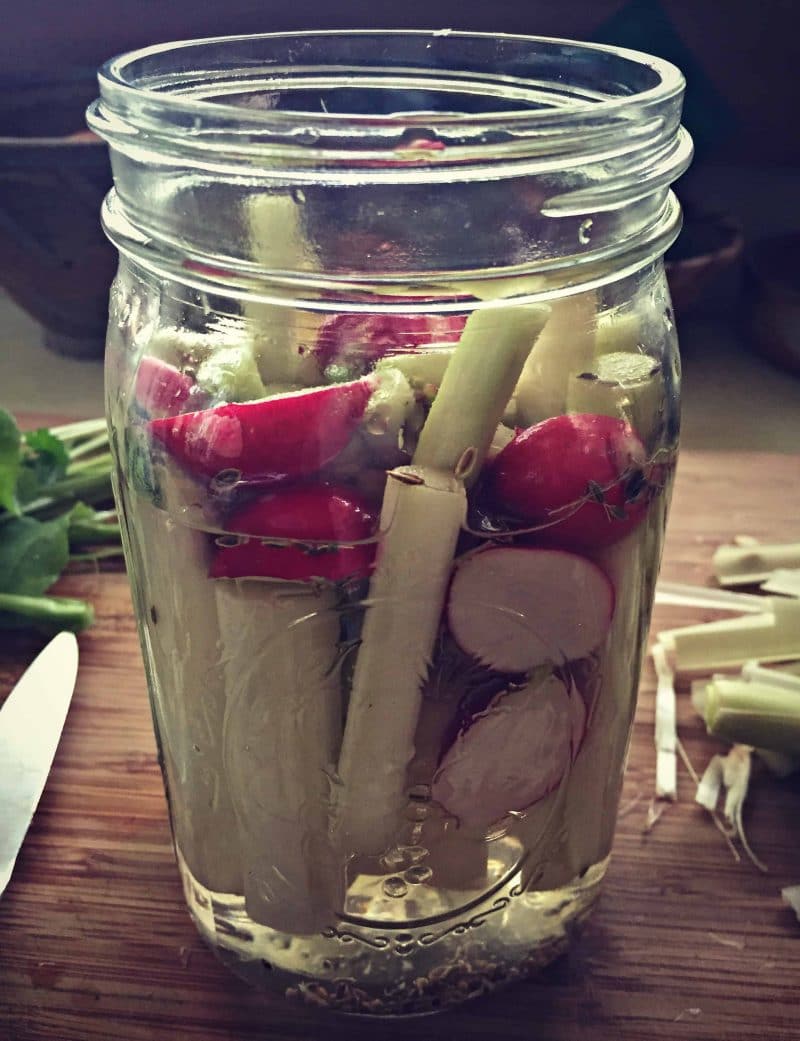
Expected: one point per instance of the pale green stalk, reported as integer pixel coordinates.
(744, 712)
(423, 511)
(282, 731)
(477, 384)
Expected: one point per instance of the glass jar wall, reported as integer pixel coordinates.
(392, 384)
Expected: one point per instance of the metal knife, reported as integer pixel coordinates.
(31, 721)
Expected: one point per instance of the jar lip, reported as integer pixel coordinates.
(113, 78)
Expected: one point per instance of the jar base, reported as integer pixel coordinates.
(397, 971)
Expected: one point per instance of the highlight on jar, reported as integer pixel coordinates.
(393, 544)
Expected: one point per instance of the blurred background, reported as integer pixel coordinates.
(734, 273)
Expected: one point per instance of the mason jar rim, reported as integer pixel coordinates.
(589, 136)
(112, 75)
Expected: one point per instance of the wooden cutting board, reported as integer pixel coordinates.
(686, 942)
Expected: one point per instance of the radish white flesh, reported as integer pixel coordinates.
(383, 422)
(510, 757)
(513, 608)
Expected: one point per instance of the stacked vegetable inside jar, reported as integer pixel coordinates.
(394, 583)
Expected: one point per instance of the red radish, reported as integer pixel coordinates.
(312, 513)
(585, 476)
(516, 607)
(357, 341)
(511, 756)
(287, 435)
(160, 388)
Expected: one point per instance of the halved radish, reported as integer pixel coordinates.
(314, 513)
(583, 477)
(514, 607)
(160, 388)
(510, 757)
(288, 435)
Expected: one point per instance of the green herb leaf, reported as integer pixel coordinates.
(10, 461)
(86, 527)
(140, 467)
(33, 554)
(46, 457)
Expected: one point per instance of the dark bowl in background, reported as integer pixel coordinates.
(772, 299)
(55, 261)
(704, 261)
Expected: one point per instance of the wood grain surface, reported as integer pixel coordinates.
(686, 944)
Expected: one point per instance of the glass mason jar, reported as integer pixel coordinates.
(392, 386)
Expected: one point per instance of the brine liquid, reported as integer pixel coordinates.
(440, 917)
(394, 968)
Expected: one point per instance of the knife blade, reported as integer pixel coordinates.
(31, 721)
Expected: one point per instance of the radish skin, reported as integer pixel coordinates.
(400, 627)
(282, 732)
(514, 608)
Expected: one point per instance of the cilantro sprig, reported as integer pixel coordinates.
(52, 482)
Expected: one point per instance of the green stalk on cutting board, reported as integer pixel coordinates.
(51, 480)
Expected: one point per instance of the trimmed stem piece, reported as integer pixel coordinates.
(666, 730)
(565, 348)
(476, 388)
(423, 511)
(744, 565)
(281, 738)
(181, 631)
(424, 508)
(768, 637)
(746, 712)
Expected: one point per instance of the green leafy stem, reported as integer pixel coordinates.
(52, 481)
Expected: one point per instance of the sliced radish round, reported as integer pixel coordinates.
(514, 607)
(510, 757)
(288, 435)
